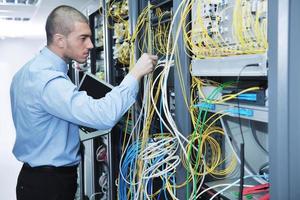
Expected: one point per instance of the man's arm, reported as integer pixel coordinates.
(61, 98)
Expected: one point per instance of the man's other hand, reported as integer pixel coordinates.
(144, 65)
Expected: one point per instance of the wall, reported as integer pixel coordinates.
(13, 54)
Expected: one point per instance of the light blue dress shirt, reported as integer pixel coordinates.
(47, 109)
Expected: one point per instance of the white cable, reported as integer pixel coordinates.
(221, 185)
(227, 187)
(94, 195)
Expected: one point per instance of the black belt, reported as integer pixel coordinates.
(49, 168)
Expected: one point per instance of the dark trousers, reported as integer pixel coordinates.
(47, 183)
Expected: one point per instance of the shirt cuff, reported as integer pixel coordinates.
(132, 83)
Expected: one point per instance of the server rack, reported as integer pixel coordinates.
(284, 98)
(230, 123)
(95, 167)
(279, 98)
(106, 66)
(260, 113)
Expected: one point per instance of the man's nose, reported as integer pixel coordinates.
(90, 44)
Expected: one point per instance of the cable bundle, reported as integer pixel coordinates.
(149, 156)
(220, 28)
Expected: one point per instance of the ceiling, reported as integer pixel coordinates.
(20, 20)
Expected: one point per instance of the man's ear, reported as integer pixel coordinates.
(59, 40)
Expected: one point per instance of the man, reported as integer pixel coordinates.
(47, 108)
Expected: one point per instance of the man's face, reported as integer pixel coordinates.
(78, 43)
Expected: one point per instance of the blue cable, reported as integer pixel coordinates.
(128, 162)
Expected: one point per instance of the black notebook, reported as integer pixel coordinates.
(95, 88)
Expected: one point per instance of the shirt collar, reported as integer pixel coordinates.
(58, 63)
